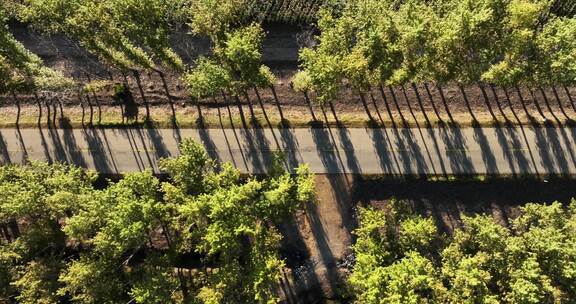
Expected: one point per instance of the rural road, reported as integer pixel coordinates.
(435, 151)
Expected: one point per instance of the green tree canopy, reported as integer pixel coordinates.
(402, 258)
(202, 236)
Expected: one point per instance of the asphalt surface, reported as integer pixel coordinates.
(435, 151)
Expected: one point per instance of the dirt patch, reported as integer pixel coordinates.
(317, 244)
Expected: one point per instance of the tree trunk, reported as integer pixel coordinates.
(48, 113)
(510, 104)
(523, 102)
(54, 112)
(487, 101)
(18, 109)
(557, 97)
(309, 103)
(91, 110)
(547, 103)
(167, 91)
(282, 119)
(241, 111)
(61, 108)
(376, 108)
(138, 82)
(537, 104)
(262, 107)
(443, 98)
(419, 99)
(397, 105)
(467, 102)
(432, 103)
(569, 97)
(199, 110)
(333, 110)
(365, 105)
(39, 108)
(250, 107)
(97, 101)
(408, 104)
(83, 108)
(498, 104)
(381, 88)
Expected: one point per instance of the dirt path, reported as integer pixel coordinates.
(324, 237)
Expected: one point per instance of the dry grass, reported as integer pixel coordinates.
(229, 117)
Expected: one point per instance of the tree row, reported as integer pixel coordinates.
(361, 45)
(204, 235)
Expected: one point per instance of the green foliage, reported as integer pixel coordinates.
(237, 49)
(127, 34)
(506, 42)
(206, 79)
(21, 70)
(532, 261)
(205, 236)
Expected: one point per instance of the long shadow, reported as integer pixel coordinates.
(72, 146)
(290, 148)
(548, 150)
(209, 145)
(407, 148)
(415, 147)
(572, 131)
(303, 285)
(519, 155)
(381, 139)
(240, 148)
(259, 150)
(348, 147)
(56, 143)
(487, 153)
(160, 148)
(516, 142)
(331, 161)
(45, 146)
(402, 150)
(568, 145)
(456, 150)
(133, 148)
(557, 151)
(324, 138)
(151, 160)
(22, 143)
(445, 201)
(226, 139)
(533, 160)
(503, 142)
(107, 146)
(322, 243)
(96, 149)
(4, 151)
(415, 155)
(432, 135)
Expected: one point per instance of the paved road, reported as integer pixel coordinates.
(437, 151)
